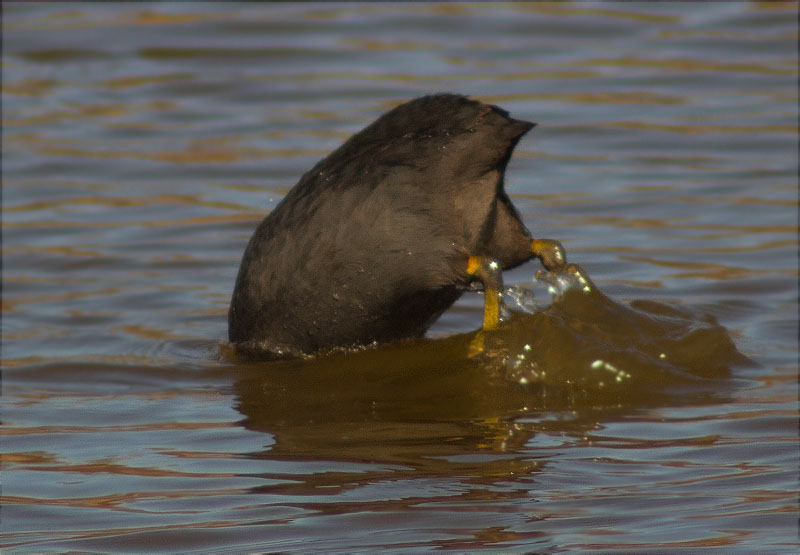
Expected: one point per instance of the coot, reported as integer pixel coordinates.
(383, 235)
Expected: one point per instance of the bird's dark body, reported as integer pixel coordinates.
(372, 243)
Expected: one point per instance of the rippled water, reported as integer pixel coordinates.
(142, 145)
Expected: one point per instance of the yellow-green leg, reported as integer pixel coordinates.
(551, 253)
(488, 272)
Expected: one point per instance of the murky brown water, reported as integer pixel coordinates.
(141, 146)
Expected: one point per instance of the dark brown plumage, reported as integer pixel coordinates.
(372, 244)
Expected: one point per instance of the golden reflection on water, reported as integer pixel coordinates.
(206, 220)
(695, 129)
(78, 19)
(80, 112)
(665, 145)
(10, 306)
(550, 8)
(31, 87)
(149, 332)
(708, 270)
(121, 83)
(410, 77)
(685, 64)
(123, 201)
(631, 97)
(10, 431)
(197, 153)
(675, 222)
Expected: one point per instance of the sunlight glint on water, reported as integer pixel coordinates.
(143, 143)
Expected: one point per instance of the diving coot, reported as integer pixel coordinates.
(383, 235)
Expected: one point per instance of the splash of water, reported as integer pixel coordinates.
(580, 337)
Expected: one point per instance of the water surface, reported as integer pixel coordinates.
(142, 144)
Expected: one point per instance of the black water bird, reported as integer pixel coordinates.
(384, 234)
